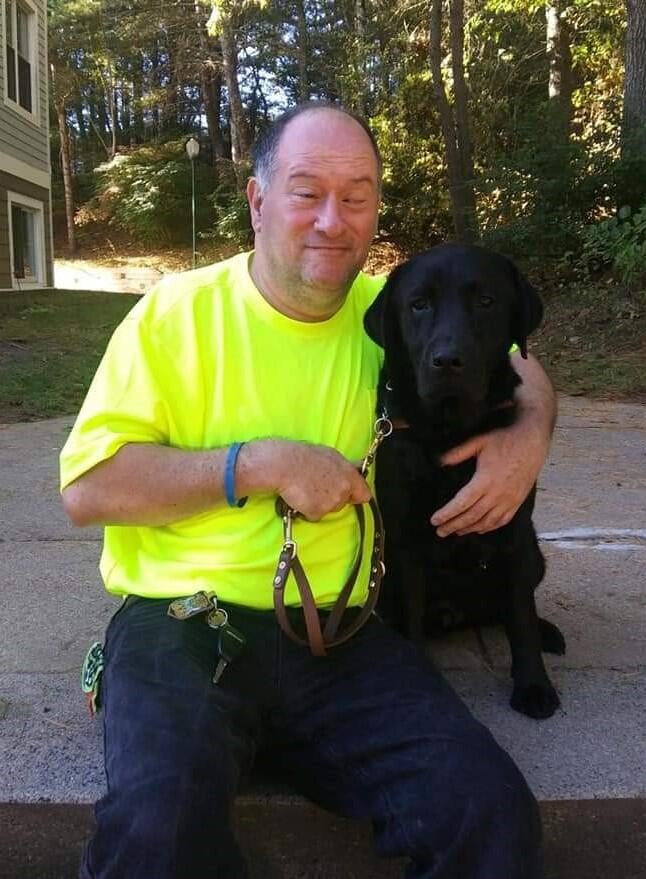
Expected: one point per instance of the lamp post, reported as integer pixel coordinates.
(192, 150)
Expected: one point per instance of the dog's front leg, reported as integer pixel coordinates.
(533, 693)
(414, 585)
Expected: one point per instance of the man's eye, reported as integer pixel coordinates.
(420, 305)
(485, 301)
(304, 194)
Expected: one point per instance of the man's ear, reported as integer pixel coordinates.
(255, 198)
(528, 310)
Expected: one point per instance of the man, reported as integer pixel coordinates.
(268, 350)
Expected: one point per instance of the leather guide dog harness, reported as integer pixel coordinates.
(319, 639)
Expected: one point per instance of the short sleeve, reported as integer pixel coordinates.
(125, 402)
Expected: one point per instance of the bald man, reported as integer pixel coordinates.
(222, 390)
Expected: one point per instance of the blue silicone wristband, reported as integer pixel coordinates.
(229, 476)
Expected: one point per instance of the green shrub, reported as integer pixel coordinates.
(231, 221)
(619, 242)
(146, 192)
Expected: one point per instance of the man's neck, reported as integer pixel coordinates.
(295, 306)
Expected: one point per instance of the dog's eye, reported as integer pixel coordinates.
(420, 305)
(485, 301)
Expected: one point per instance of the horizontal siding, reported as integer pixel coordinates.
(8, 183)
(19, 137)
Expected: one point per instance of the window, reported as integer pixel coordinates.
(26, 228)
(20, 29)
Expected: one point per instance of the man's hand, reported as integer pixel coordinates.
(315, 480)
(508, 461)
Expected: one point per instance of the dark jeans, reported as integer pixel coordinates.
(370, 731)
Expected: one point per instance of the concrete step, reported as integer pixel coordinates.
(586, 764)
(584, 839)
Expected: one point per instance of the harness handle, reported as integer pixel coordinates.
(319, 640)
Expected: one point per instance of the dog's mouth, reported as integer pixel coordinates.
(451, 392)
(446, 410)
(448, 407)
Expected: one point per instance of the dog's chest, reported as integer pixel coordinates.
(411, 479)
(411, 486)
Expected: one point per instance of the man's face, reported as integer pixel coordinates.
(315, 220)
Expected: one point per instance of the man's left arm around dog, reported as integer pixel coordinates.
(508, 461)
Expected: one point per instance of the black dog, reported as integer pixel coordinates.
(447, 320)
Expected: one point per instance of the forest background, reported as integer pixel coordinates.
(517, 123)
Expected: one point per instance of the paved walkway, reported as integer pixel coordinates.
(82, 275)
(591, 513)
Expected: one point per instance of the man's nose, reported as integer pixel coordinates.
(329, 219)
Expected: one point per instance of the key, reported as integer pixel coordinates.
(192, 605)
(217, 618)
(231, 643)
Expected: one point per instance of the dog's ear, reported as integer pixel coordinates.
(528, 310)
(379, 320)
(373, 319)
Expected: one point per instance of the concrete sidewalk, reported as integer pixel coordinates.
(591, 513)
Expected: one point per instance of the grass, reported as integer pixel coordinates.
(592, 342)
(50, 346)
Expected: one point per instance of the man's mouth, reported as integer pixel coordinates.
(328, 248)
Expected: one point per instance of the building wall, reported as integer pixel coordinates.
(9, 183)
(24, 149)
(20, 138)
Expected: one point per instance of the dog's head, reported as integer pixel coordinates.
(447, 319)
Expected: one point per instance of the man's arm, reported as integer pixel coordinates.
(148, 484)
(508, 461)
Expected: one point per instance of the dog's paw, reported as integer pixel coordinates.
(535, 700)
(552, 640)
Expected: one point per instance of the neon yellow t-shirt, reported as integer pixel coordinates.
(204, 361)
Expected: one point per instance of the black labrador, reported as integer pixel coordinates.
(446, 320)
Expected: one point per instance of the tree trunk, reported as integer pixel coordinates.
(240, 141)
(126, 117)
(113, 121)
(211, 94)
(156, 78)
(137, 95)
(169, 110)
(559, 56)
(303, 51)
(67, 175)
(460, 189)
(211, 82)
(80, 119)
(633, 129)
(462, 128)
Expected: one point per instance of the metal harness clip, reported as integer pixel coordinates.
(383, 428)
(288, 541)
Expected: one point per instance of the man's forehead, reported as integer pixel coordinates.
(312, 171)
(324, 136)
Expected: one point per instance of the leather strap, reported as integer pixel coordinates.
(317, 639)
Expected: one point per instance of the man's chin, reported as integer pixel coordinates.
(337, 280)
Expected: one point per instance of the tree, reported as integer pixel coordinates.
(559, 56)
(454, 120)
(222, 23)
(303, 51)
(63, 89)
(633, 127)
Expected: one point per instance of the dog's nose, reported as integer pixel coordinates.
(449, 361)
